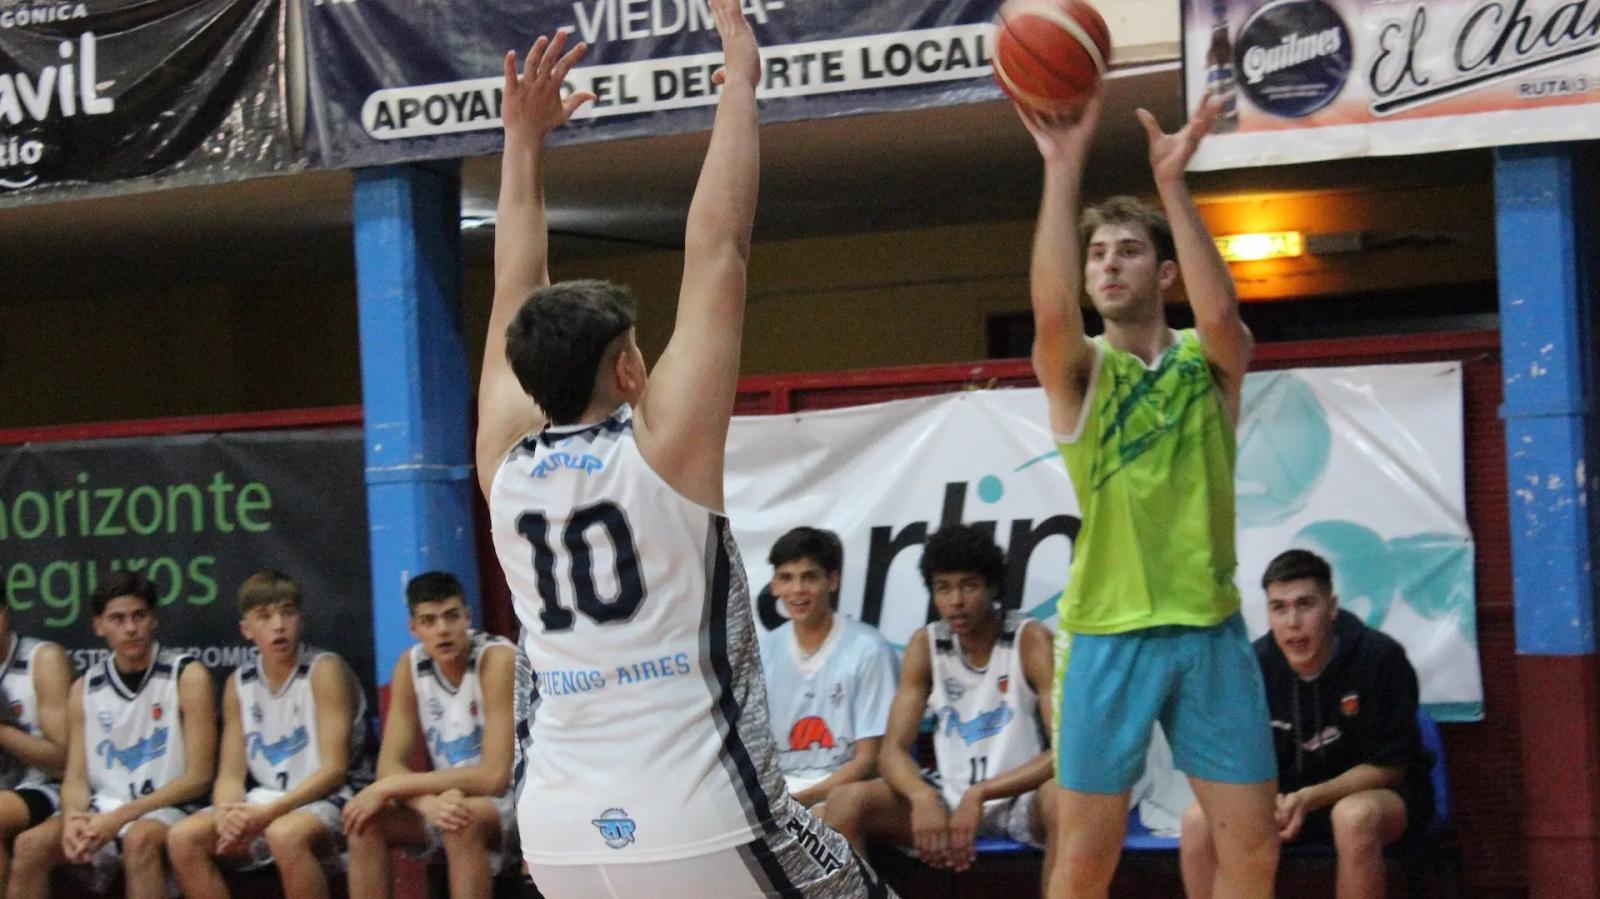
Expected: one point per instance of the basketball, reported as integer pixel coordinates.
(1050, 54)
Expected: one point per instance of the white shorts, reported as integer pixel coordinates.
(1011, 818)
(329, 812)
(500, 859)
(800, 856)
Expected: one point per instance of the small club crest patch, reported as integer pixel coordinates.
(1004, 683)
(1350, 704)
(155, 712)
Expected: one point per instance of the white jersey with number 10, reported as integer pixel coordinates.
(649, 738)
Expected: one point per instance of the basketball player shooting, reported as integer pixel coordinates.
(1144, 418)
(650, 768)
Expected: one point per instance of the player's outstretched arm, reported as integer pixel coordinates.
(532, 106)
(689, 400)
(1062, 354)
(52, 679)
(1227, 342)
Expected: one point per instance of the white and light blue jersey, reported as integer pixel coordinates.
(451, 715)
(133, 733)
(823, 703)
(986, 721)
(280, 726)
(648, 739)
(20, 702)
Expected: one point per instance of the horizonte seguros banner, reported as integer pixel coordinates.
(196, 514)
(394, 81)
(1363, 465)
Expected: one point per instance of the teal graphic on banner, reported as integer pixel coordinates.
(1284, 442)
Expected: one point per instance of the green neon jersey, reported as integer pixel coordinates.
(1153, 471)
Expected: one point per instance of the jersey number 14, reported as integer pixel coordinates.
(606, 521)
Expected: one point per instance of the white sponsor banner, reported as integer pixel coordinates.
(812, 68)
(1363, 465)
(1302, 80)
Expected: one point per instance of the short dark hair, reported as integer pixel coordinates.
(822, 547)
(1299, 564)
(122, 583)
(267, 588)
(963, 547)
(559, 339)
(1126, 210)
(432, 586)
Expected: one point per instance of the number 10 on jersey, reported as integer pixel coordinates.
(602, 521)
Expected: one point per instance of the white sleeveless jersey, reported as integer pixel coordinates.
(280, 726)
(648, 738)
(452, 714)
(985, 722)
(19, 703)
(133, 733)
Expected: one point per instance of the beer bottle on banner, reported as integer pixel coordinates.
(1220, 80)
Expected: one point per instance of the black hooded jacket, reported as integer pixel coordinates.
(1362, 709)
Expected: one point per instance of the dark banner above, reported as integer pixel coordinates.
(395, 80)
(99, 92)
(197, 515)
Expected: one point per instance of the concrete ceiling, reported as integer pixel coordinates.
(940, 166)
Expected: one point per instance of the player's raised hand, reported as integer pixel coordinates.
(741, 60)
(1170, 153)
(1063, 138)
(531, 104)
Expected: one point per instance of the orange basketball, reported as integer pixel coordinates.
(1050, 54)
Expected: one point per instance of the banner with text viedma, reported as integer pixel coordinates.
(111, 96)
(395, 81)
(1303, 80)
(197, 514)
(1365, 466)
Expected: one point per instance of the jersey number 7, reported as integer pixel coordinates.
(607, 521)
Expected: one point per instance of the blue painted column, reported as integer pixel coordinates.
(415, 389)
(1545, 234)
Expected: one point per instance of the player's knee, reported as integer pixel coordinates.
(1196, 827)
(289, 837)
(845, 805)
(143, 844)
(1356, 822)
(367, 842)
(473, 839)
(33, 847)
(1252, 849)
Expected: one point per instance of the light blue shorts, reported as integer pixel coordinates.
(1202, 683)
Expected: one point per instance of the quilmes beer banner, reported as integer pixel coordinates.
(95, 92)
(196, 514)
(1363, 465)
(395, 80)
(1303, 80)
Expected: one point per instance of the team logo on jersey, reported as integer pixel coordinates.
(107, 719)
(279, 751)
(435, 708)
(462, 749)
(838, 694)
(256, 714)
(473, 708)
(812, 745)
(1350, 704)
(155, 712)
(615, 827)
(147, 750)
(953, 689)
(982, 726)
(16, 709)
(1004, 682)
